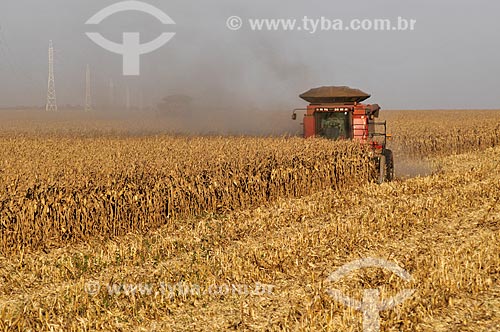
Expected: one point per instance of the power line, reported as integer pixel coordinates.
(88, 91)
(111, 94)
(127, 98)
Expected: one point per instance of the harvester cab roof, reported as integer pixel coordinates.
(341, 95)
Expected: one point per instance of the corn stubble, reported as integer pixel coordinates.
(233, 220)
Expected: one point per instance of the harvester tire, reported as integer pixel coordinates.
(382, 169)
(389, 160)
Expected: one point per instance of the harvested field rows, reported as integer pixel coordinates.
(442, 229)
(118, 233)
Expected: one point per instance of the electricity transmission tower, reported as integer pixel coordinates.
(141, 101)
(51, 89)
(88, 91)
(127, 99)
(111, 94)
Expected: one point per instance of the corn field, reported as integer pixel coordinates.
(63, 190)
(103, 230)
(420, 134)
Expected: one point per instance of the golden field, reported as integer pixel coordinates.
(62, 190)
(87, 212)
(419, 134)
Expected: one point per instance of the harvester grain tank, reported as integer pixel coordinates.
(337, 112)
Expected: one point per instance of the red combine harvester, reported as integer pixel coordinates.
(337, 113)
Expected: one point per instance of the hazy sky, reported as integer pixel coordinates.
(451, 60)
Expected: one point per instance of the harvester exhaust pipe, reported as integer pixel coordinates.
(294, 114)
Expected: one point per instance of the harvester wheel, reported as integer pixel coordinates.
(389, 160)
(382, 169)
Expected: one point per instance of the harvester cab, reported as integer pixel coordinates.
(338, 113)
